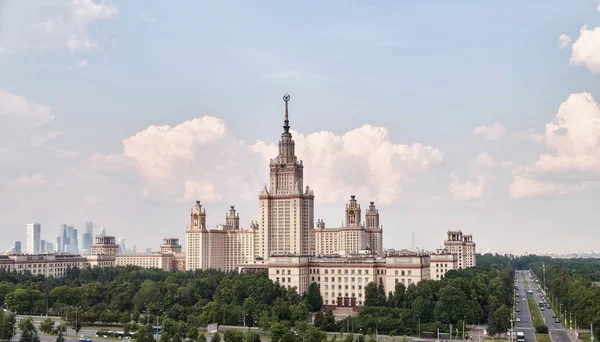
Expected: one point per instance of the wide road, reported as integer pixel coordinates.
(526, 323)
(557, 331)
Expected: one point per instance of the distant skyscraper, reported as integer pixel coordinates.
(86, 238)
(42, 247)
(74, 242)
(121, 244)
(89, 228)
(64, 239)
(34, 231)
(49, 247)
(17, 247)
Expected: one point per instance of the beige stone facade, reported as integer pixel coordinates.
(48, 265)
(441, 262)
(462, 246)
(355, 237)
(223, 247)
(342, 279)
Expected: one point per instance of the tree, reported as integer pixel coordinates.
(251, 336)
(319, 320)
(499, 321)
(349, 338)
(216, 338)
(28, 331)
(47, 325)
(202, 338)
(145, 334)
(375, 295)
(277, 331)
(233, 335)
(314, 300)
(7, 325)
(60, 337)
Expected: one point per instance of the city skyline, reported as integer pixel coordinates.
(127, 113)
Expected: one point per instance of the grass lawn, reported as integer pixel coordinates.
(584, 336)
(536, 315)
(543, 338)
(489, 339)
(527, 288)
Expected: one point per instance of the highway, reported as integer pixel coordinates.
(526, 323)
(557, 331)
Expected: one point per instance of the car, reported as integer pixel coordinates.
(553, 316)
(542, 308)
(523, 299)
(85, 339)
(557, 320)
(518, 319)
(518, 310)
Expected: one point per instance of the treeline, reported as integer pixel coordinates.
(483, 294)
(182, 302)
(571, 281)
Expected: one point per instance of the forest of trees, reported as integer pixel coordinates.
(570, 280)
(184, 301)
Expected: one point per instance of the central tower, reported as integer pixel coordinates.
(286, 211)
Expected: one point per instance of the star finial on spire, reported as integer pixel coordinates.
(286, 122)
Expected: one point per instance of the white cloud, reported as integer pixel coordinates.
(563, 41)
(147, 17)
(531, 135)
(13, 106)
(35, 181)
(201, 159)
(436, 198)
(523, 187)
(598, 6)
(586, 49)
(466, 190)
(486, 161)
(573, 136)
(52, 24)
(23, 121)
(84, 63)
(493, 132)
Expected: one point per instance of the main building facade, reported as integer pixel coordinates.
(285, 240)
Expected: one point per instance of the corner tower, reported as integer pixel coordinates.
(286, 224)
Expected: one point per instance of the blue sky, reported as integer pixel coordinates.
(106, 76)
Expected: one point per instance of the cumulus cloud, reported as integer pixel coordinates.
(522, 187)
(493, 132)
(52, 24)
(486, 161)
(586, 49)
(147, 17)
(24, 121)
(563, 41)
(201, 159)
(466, 190)
(573, 137)
(84, 63)
(35, 181)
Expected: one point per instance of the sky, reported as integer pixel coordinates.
(480, 116)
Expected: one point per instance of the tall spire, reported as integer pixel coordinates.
(286, 122)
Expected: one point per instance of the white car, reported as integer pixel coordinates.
(518, 320)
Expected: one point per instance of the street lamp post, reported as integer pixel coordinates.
(544, 267)
(377, 331)
(419, 317)
(76, 326)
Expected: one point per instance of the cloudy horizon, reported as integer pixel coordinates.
(126, 113)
